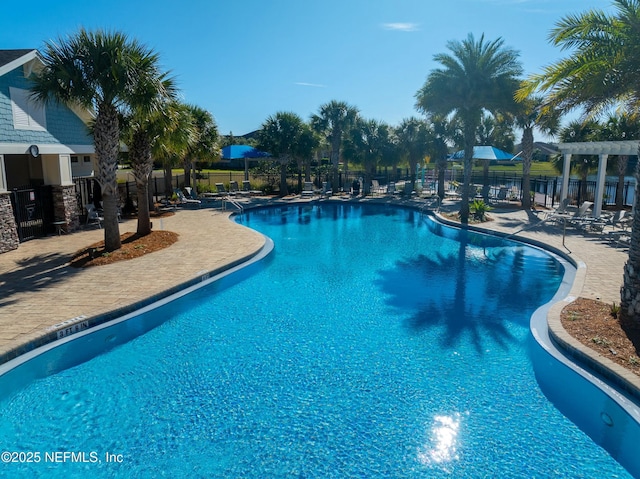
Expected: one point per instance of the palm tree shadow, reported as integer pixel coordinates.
(443, 291)
(34, 274)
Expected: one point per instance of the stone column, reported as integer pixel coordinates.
(65, 206)
(8, 229)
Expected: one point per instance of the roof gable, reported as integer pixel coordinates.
(12, 59)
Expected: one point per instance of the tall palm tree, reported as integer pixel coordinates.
(280, 135)
(107, 73)
(173, 144)
(368, 140)
(413, 141)
(143, 132)
(308, 142)
(497, 131)
(333, 121)
(602, 72)
(476, 76)
(529, 116)
(441, 132)
(204, 144)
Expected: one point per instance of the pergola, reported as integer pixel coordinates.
(601, 148)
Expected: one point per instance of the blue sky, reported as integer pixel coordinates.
(244, 60)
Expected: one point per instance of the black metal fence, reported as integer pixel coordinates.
(33, 211)
(546, 188)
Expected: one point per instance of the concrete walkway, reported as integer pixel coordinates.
(40, 295)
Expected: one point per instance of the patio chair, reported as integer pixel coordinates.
(246, 189)
(559, 212)
(580, 218)
(326, 189)
(183, 200)
(307, 190)
(391, 189)
(598, 225)
(221, 190)
(93, 215)
(233, 188)
(376, 189)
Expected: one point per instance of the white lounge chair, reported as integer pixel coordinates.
(307, 191)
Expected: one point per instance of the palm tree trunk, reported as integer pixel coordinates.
(106, 136)
(144, 219)
(630, 291)
(284, 190)
(485, 180)
(335, 160)
(527, 155)
(442, 169)
(470, 127)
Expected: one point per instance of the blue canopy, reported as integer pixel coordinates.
(236, 152)
(487, 153)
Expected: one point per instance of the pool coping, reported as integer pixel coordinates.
(86, 324)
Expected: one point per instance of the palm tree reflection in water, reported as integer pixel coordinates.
(472, 293)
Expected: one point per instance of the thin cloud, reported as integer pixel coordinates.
(401, 27)
(314, 85)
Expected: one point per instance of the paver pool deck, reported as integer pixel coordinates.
(38, 289)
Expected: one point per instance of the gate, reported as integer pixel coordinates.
(33, 210)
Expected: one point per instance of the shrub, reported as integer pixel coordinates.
(479, 209)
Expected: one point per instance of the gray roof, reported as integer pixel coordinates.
(7, 56)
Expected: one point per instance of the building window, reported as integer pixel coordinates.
(27, 113)
(74, 159)
(86, 159)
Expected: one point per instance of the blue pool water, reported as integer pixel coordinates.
(372, 342)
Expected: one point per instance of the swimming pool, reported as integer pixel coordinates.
(372, 342)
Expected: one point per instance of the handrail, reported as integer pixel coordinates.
(228, 199)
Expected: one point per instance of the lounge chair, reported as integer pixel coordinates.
(307, 191)
(233, 188)
(617, 220)
(580, 218)
(326, 189)
(246, 189)
(183, 200)
(190, 193)
(559, 212)
(221, 190)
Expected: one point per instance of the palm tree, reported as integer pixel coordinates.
(530, 116)
(307, 144)
(497, 131)
(204, 144)
(280, 135)
(601, 73)
(106, 73)
(333, 121)
(477, 76)
(368, 140)
(413, 141)
(144, 133)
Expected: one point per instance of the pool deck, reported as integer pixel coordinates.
(41, 295)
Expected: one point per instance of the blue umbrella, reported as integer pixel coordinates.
(236, 152)
(487, 153)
